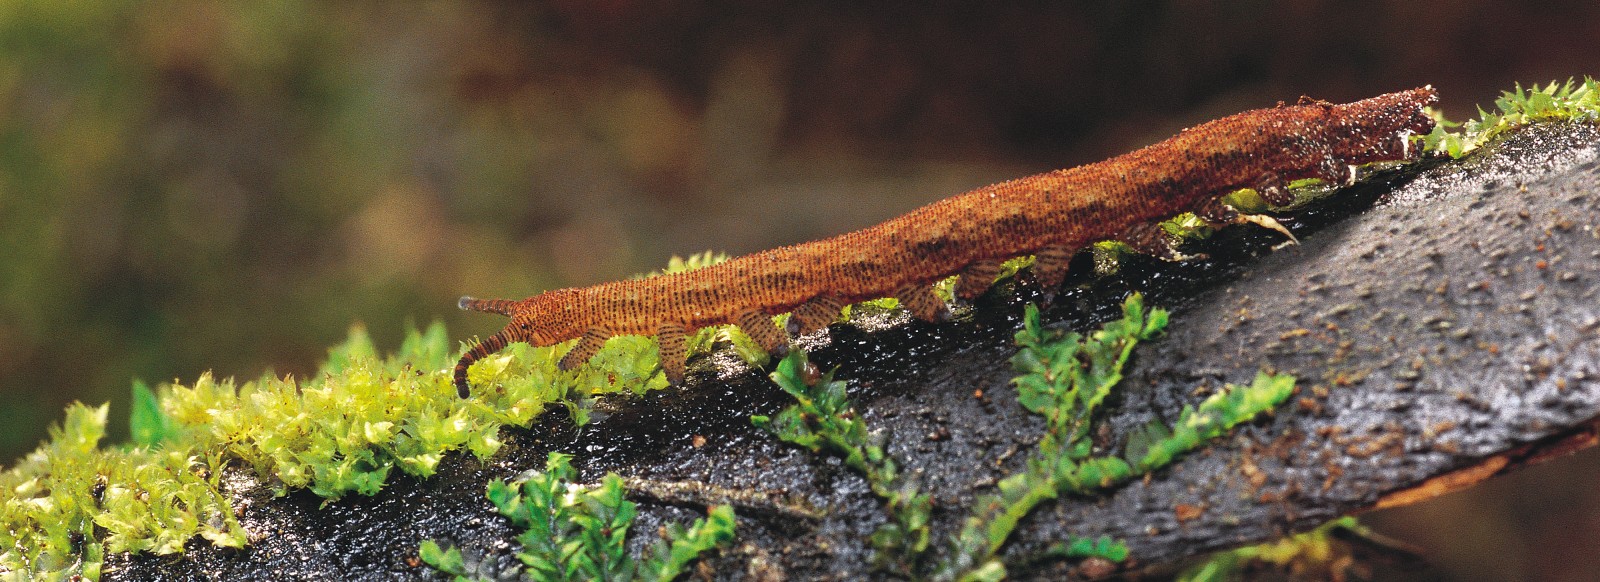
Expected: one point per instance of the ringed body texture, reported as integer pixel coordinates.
(1050, 216)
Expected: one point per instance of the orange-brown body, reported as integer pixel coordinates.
(1049, 215)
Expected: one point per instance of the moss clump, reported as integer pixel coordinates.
(824, 420)
(69, 502)
(1065, 377)
(342, 431)
(1552, 102)
(678, 264)
(1325, 553)
(573, 531)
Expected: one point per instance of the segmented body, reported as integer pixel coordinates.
(1050, 216)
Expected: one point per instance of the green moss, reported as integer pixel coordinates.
(345, 429)
(572, 531)
(342, 431)
(1324, 553)
(678, 264)
(1552, 102)
(825, 421)
(69, 502)
(1065, 378)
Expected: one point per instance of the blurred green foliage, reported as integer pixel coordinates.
(1329, 552)
(190, 185)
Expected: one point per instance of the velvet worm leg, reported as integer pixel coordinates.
(1217, 214)
(1149, 238)
(1335, 172)
(975, 279)
(922, 303)
(1272, 189)
(672, 340)
(758, 325)
(816, 313)
(593, 339)
(1050, 269)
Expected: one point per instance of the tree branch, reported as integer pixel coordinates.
(1442, 323)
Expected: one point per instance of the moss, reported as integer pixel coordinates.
(1325, 553)
(69, 502)
(572, 531)
(361, 417)
(1065, 377)
(1572, 100)
(678, 264)
(824, 420)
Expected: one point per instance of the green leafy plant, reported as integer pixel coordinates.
(1215, 415)
(1065, 377)
(448, 561)
(571, 531)
(824, 420)
(1551, 102)
(680, 546)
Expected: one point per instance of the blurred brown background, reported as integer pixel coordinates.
(193, 185)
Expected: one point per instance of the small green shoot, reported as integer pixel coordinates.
(679, 547)
(571, 531)
(1065, 377)
(148, 424)
(824, 420)
(447, 561)
(1079, 548)
(1214, 417)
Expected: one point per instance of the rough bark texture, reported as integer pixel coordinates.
(1443, 321)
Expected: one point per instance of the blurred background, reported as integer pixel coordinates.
(197, 185)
